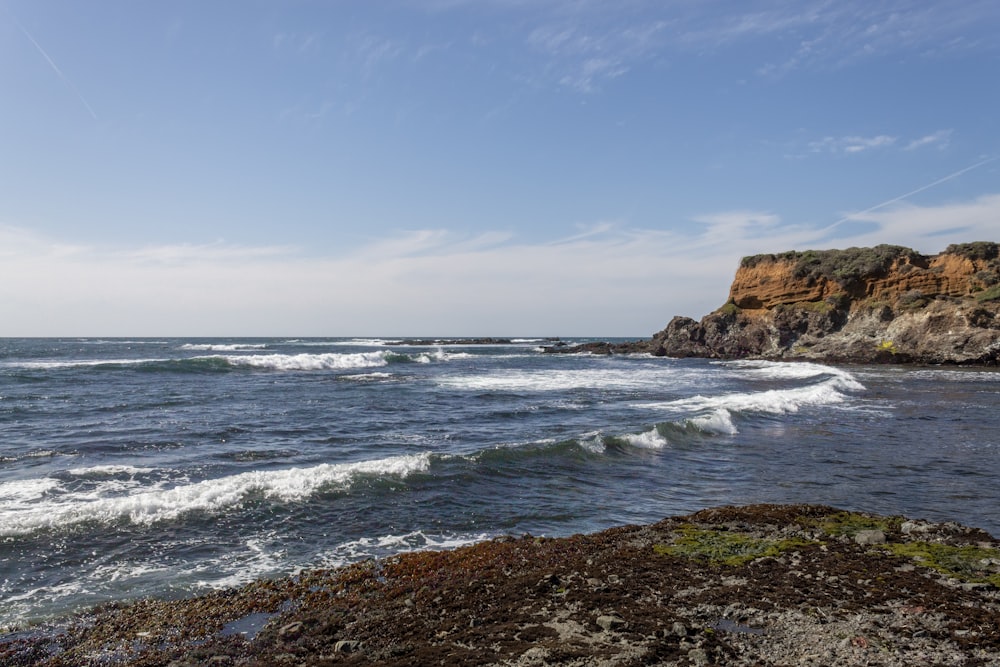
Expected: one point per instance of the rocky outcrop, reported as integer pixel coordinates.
(881, 304)
(866, 305)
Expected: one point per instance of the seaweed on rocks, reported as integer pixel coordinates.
(751, 585)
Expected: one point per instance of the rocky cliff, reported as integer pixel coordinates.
(881, 304)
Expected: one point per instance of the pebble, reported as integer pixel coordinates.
(870, 537)
(291, 630)
(346, 646)
(609, 621)
(678, 629)
(698, 657)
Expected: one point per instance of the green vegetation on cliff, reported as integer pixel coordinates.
(841, 266)
(984, 250)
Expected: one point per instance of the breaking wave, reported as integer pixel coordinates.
(38, 504)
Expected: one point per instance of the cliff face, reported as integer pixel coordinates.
(882, 304)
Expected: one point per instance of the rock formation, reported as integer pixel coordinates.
(882, 304)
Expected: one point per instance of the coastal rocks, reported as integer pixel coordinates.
(742, 586)
(882, 304)
(886, 304)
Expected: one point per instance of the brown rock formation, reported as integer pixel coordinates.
(881, 304)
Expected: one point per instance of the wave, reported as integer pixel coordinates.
(27, 506)
(830, 390)
(388, 545)
(223, 347)
(785, 370)
(313, 362)
(107, 471)
(335, 360)
(654, 376)
(229, 362)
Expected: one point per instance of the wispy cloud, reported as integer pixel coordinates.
(371, 52)
(940, 139)
(585, 58)
(608, 279)
(850, 144)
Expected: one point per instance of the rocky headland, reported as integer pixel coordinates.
(885, 304)
(748, 586)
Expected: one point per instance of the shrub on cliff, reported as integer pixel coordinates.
(983, 250)
(844, 267)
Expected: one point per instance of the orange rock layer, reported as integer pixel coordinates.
(770, 284)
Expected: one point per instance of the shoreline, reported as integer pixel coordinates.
(758, 584)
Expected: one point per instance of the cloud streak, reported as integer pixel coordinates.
(55, 68)
(860, 215)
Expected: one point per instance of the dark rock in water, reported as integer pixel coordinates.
(452, 341)
(886, 304)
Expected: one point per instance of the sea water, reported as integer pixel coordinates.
(171, 467)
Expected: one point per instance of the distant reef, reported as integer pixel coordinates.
(886, 304)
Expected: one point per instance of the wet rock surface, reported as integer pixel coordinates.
(756, 585)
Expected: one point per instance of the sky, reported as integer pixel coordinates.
(470, 167)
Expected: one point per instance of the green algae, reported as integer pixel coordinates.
(969, 564)
(851, 523)
(722, 547)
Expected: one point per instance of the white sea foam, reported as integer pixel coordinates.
(368, 377)
(717, 421)
(778, 370)
(650, 439)
(592, 442)
(558, 380)
(368, 547)
(223, 347)
(78, 363)
(24, 507)
(310, 362)
(22, 492)
(257, 559)
(774, 401)
(102, 470)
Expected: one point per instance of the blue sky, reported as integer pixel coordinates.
(470, 167)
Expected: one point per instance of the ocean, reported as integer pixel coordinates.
(171, 467)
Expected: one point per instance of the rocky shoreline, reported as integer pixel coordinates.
(886, 304)
(754, 585)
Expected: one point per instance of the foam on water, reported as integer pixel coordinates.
(778, 370)
(28, 506)
(22, 492)
(108, 470)
(310, 362)
(718, 421)
(387, 545)
(560, 380)
(257, 559)
(223, 347)
(772, 401)
(78, 363)
(651, 439)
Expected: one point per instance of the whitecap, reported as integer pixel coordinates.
(28, 509)
(223, 347)
(108, 470)
(798, 370)
(309, 362)
(650, 439)
(718, 421)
